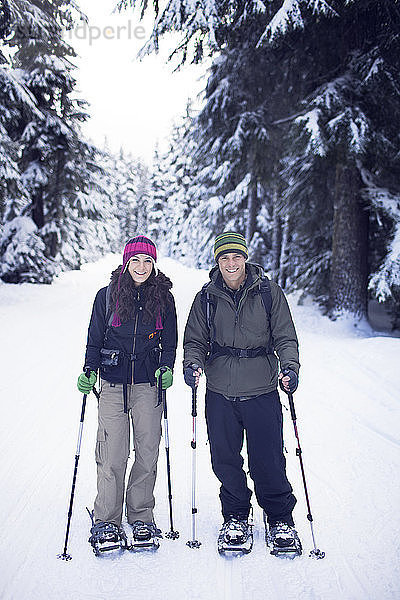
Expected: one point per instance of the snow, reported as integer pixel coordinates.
(311, 123)
(348, 421)
(375, 69)
(289, 15)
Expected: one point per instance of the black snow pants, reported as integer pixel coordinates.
(261, 418)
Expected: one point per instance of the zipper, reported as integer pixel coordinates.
(240, 304)
(244, 296)
(222, 294)
(134, 343)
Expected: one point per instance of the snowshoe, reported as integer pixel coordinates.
(145, 536)
(107, 536)
(236, 535)
(283, 540)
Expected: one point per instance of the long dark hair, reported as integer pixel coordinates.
(154, 293)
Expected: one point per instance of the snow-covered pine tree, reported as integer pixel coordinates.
(344, 145)
(172, 201)
(335, 60)
(21, 249)
(142, 195)
(157, 202)
(242, 134)
(16, 104)
(125, 180)
(128, 192)
(238, 141)
(67, 210)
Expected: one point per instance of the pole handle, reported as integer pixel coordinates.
(162, 394)
(194, 402)
(291, 404)
(95, 392)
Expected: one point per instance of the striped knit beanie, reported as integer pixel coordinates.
(137, 245)
(230, 242)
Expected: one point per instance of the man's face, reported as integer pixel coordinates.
(233, 269)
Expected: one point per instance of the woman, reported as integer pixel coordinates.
(132, 333)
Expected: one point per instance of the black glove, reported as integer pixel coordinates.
(293, 381)
(188, 374)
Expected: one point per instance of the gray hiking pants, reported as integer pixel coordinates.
(112, 452)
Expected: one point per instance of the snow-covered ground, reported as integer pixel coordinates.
(348, 420)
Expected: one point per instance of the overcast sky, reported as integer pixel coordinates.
(132, 103)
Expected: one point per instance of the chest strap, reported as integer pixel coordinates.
(217, 350)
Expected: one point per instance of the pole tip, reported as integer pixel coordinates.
(316, 553)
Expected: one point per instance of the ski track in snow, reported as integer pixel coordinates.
(348, 421)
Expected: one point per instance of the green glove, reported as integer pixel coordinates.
(84, 384)
(167, 377)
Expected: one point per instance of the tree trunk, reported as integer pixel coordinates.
(37, 207)
(251, 209)
(252, 197)
(276, 235)
(283, 262)
(349, 267)
(53, 241)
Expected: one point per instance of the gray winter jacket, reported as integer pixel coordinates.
(244, 325)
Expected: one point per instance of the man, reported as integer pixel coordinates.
(238, 327)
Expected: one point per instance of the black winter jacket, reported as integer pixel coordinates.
(142, 349)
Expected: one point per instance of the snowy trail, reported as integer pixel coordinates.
(348, 419)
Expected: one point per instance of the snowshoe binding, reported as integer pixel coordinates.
(145, 536)
(107, 536)
(283, 540)
(236, 535)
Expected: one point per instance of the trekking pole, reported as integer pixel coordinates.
(194, 543)
(162, 397)
(64, 555)
(316, 553)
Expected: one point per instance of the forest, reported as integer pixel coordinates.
(295, 144)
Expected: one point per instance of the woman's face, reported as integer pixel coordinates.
(140, 267)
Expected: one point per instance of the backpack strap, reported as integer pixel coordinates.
(266, 297)
(208, 305)
(109, 313)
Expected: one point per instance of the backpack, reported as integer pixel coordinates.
(209, 306)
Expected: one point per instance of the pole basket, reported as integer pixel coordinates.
(172, 535)
(64, 556)
(193, 544)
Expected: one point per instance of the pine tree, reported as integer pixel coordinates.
(238, 141)
(66, 203)
(157, 202)
(172, 197)
(342, 132)
(330, 116)
(14, 102)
